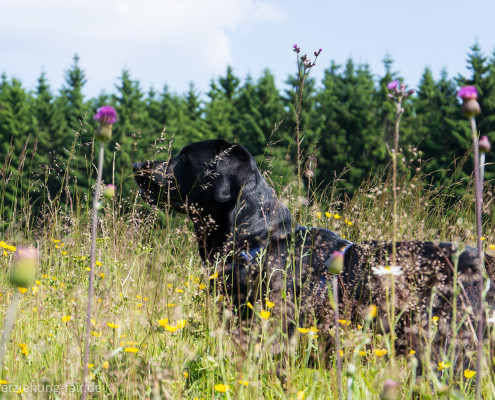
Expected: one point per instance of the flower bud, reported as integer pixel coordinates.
(22, 273)
(484, 145)
(109, 192)
(335, 263)
(390, 390)
(470, 108)
(104, 132)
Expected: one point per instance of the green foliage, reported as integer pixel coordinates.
(346, 125)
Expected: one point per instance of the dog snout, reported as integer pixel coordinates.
(142, 166)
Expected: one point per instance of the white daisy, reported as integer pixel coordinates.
(394, 270)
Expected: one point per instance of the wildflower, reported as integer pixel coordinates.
(88, 269)
(335, 263)
(105, 364)
(106, 116)
(131, 350)
(163, 322)
(300, 395)
(179, 290)
(394, 270)
(3, 382)
(91, 365)
(245, 383)
(22, 273)
(22, 290)
(96, 334)
(372, 312)
(170, 305)
(314, 329)
(202, 286)
(344, 322)
(470, 105)
(269, 304)
(102, 275)
(468, 374)
(393, 85)
(24, 349)
(380, 352)
(484, 144)
(296, 48)
(7, 246)
(443, 365)
(214, 276)
(318, 215)
(221, 387)
(362, 353)
(328, 215)
(112, 325)
(360, 327)
(109, 192)
(303, 330)
(249, 305)
(98, 264)
(412, 352)
(67, 318)
(265, 314)
(435, 319)
(337, 216)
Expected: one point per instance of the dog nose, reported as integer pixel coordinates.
(141, 166)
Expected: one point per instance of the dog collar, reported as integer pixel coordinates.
(252, 253)
(345, 248)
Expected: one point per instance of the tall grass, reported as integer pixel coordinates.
(151, 277)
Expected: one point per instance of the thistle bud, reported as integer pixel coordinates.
(22, 273)
(106, 116)
(484, 145)
(390, 390)
(335, 263)
(470, 105)
(109, 192)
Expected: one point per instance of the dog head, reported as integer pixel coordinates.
(209, 173)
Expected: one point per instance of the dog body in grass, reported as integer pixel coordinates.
(266, 255)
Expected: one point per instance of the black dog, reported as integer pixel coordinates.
(265, 254)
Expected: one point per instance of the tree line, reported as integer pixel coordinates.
(346, 125)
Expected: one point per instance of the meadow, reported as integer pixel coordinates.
(161, 330)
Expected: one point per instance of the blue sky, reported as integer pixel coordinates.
(176, 42)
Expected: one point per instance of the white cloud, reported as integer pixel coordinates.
(172, 37)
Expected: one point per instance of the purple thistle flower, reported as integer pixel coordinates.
(296, 49)
(468, 92)
(393, 85)
(106, 115)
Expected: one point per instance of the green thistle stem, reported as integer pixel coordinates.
(478, 203)
(92, 272)
(335, 290)
(8, 325)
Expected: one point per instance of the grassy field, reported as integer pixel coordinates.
(160, 329)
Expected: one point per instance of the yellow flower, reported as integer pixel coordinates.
(88, 269)
(348, 222)
(362, 353)
(169, 286)
(435, 319)
(96, 333)
(380, 352)
(22, 290)
(102, 275)
(186, 374)
(179, 290)
(66, 318)
(303, 330)
(64, 253)
(113, 326)
(328, 215)
(300, 395)
(55, 241)
(38, 283)
(269, 304)
(492, 247)
(163, 322)
(265, 314)
(412, 352)
(314, 329)
(214, 276)
(442, 366)
(468, 374)
(221, 387)
(3, 382)
(91, 365)
(337, 216)
(245, 383)
(360, 326)
(24, 349)
(344, 322)
(341, 353)
(105, 364)
(131, 350)
(318, 215)
(202, 286)
(372, 311)
(98, 264)
(250, 305)
(82, 258)
(170, 305)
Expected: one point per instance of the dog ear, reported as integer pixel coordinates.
(233, 170)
